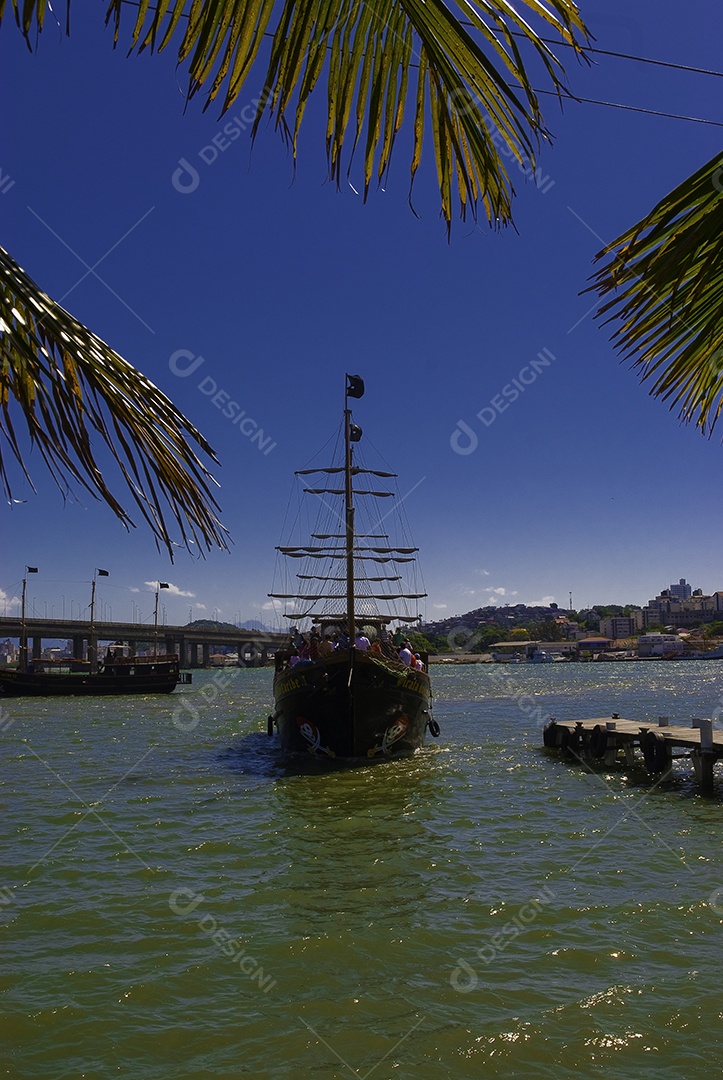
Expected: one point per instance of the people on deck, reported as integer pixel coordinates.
(304, 649)
(387, 645)
(361, 642)
(405, 654)
(325, 648)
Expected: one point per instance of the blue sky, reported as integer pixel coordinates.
(268, 285)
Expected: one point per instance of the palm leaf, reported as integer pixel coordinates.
(476, 91)
(69, 385)
(472, 90)
(665, 279)
(476, 88)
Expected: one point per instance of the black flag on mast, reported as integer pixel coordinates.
(355, 387)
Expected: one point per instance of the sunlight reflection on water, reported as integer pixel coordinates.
(480, 908)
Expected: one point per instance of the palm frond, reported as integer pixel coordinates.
(472, 80)
(71, 388)
(665, 279)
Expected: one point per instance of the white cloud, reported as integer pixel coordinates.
(440, 607)
(545, 602)
(172, 589)
(498, 595)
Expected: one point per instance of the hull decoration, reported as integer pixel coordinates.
(346, 687)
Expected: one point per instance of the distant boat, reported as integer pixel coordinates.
(540, 656)
(341, 690)
(116, 674)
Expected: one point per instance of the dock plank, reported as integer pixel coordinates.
(677, 734)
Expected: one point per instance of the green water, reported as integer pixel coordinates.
(176, 902)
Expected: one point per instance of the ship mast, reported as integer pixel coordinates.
(23, 657)
(92, 640)
(349, 519)
(354, 388)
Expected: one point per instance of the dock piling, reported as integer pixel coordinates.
(604, 741)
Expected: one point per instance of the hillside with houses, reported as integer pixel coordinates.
(683, 616)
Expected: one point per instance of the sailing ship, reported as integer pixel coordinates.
(117, 673)
(344, 689)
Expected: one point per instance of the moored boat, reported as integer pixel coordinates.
(118, 672)
(115, 675)
(343, 688)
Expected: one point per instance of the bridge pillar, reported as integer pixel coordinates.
(78, 645)
(206, 654)
(37, 647)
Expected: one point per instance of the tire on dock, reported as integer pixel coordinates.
(598, 742)
(655, 752)
(549, 735)
(570, 743)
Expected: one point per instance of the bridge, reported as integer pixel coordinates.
(193, 645)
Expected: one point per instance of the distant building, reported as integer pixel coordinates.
(660, 645)
(594, 644)
(8, 652)
(622, 626)
(682, 590)
(504, 650)
(670, 608)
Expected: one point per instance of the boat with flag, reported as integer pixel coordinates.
(346, 686)
(117, 672)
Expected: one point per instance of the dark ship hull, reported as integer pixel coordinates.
(56, 679)
(351, 705)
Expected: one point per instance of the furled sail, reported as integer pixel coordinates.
(355, 471)
(364, 527)
(340, 491)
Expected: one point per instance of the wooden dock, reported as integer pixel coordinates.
(614, 740)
